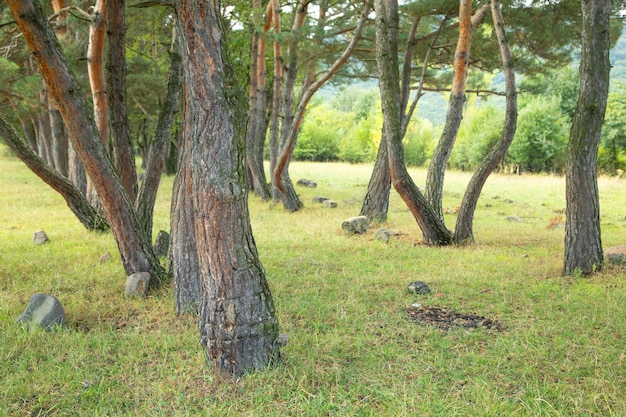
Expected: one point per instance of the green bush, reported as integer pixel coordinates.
(478, 134)
(540, 143)
(319, 136)
(419, 143)
(358, 145)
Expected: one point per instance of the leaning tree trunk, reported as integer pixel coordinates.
(437, 167)
(74, 198)
(146, 198)
(464, 229)
(583, 244)
(433, 229)
(376, 202)
(135, 249)
(123, 155)
(238, 324)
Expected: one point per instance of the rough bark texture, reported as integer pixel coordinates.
(144, 205)
(376, 202)
(123, 155)
(184, 264)
(135, 249)
(59, 139)
(276, 95)
(464, 229)
(238, 325)
(433, 229)
(439, 160)
(75, 200)
(583, 244)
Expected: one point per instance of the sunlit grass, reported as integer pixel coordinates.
(342, 299)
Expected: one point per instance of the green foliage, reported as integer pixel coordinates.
(479, 132)
(319, 136)
(612, 153)
(360, 142)
(540, 142)
(419, 143)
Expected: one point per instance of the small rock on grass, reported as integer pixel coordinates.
(137, 284)
(418, 287)
(40, 238)
(356, 225)
(43, 310)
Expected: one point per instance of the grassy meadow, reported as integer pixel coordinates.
(343, 301)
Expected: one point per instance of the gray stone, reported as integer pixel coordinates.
(356, 225)
(306, 183)
(383, 234)
(615, 255)
(514, 219)
(329, 204)
(162, 244)
(418, 287)
(43, 310)
(40, 238)
(137, 284)
(319, 200)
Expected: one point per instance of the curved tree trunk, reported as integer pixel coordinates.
(464, 229)
(238, 324)
(583, 243)
(144, 204)
(433, 229)
(135, 249)
(437, 167)
(123, 155)
(376, 201)
(75, 200)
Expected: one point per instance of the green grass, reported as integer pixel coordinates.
(342, 299)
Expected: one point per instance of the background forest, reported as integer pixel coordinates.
(343, 121)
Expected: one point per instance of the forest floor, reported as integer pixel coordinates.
(502, 333)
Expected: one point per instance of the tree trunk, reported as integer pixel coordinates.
(76, 171)
(135, 249)
(437, 167)
(75, 200)
(184, 263)
(276, 96)
(291, 130)
(144, 205)
(583, 244)
(59, 140)
(376, 201)
(123, 155)
(257, 125)
(464, 229)
(433, 229)
(238, 324)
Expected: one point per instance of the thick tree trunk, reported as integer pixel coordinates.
(135, 249)
(238, 324)
(144, 205)
(123, 155)
(583, 244)
(433, 229)
(75, 200)
(439, 160)
(184, 263)
(376, 201)
(464, 229)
